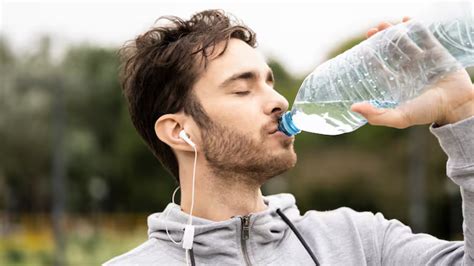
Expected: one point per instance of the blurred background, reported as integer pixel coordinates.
(76, 180)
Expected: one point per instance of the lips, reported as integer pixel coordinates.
(270, 128)
(273, 131)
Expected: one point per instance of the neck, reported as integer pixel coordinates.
(218, 197)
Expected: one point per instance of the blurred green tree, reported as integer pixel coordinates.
(103, 143)
(24, 126)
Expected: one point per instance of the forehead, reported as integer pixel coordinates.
(238, 57)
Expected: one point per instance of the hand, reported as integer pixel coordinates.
(449, 100)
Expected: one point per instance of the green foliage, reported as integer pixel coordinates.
(100, 129)
(24, 126)
(100, 141)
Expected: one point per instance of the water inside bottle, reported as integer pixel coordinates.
(331, 117)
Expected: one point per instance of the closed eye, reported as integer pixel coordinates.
(242, 93)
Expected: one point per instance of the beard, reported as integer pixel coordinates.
(236, 156)
(231, 154)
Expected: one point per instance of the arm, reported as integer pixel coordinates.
(449, 106)
(457, 140)
(399, 246)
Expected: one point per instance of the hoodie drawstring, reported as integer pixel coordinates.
(298, 235)
(191, 253)
(295, 231)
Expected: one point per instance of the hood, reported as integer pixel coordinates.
(266, 228)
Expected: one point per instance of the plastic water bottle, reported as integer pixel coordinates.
(388, 69)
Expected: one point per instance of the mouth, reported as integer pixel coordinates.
(277, 133)
(273, 131)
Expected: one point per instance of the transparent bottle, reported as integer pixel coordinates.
(388, 69)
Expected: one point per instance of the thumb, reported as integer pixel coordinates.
(381, 116)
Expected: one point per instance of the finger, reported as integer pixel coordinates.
(364, 108)
(383, 25)
(426, 40)
(371, 32)
(380, 116)
(400, 47)
(406, 18)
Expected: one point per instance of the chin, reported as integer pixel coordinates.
(284, 164)
(294, 159)
(287, 159)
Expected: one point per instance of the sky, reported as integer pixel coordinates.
(297, 33)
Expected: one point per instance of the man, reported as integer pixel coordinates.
(204, 76)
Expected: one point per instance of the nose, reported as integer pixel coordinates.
(276, 105)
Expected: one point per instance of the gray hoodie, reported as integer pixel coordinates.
(338, 237)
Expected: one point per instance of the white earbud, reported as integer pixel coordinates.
(185, 137)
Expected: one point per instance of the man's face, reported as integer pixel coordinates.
(241, 138)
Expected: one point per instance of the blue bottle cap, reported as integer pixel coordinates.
(287, 126)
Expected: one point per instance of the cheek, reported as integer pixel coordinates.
(243, 115)
(238, 109)
(238, 121)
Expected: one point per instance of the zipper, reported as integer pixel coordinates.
(245, 235)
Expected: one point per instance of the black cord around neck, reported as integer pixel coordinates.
(298, 235)
(191, 253)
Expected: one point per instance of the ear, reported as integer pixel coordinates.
(167, 129)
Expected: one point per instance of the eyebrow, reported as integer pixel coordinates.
(246, 76)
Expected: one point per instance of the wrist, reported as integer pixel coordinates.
(457, 114)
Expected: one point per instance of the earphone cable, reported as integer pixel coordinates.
(190, 221)
(190, 217)
(166, 216)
